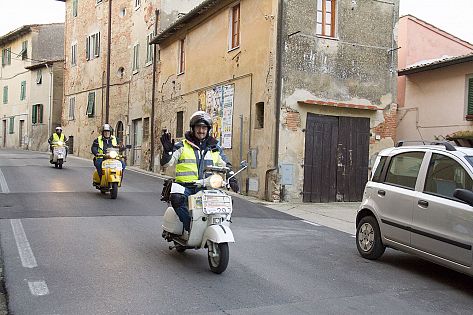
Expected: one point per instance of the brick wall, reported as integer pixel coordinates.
(387, 129)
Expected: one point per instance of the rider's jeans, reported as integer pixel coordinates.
(181, 207)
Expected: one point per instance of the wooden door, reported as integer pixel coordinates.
(336, 158)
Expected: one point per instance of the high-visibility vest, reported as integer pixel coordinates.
(100, 139)
(56, 138)
(186, 169)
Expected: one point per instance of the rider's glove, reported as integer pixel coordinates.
(167, 143)
(234, 184)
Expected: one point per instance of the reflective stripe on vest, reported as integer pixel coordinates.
(100, 140)
(186, 168)
(56, 138)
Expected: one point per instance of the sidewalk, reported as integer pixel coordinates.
(340, 216)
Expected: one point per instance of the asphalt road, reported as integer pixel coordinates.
(67, 249)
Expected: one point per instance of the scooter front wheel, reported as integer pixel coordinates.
(218, 256)
(114, 191)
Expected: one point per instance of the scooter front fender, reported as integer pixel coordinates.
(218, 234)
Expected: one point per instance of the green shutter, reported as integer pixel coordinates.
(3, 56)
(40, 113)
(470, 96)
(91, 104)
(5, 94)
(23, 90)
(74, 8)
(34, 115)
(12, 125)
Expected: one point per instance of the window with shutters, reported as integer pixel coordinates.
(74, 55)
(39, 76)
(72, 107)
(92, 46)
(6, 56)
(326, 18)
(182, 57)
(74, 8)
(149, 48)
(11, 127)
(24, 50)
(180, 124)
(146, 128)
(235, 27)
(91, 104)
(5, 94)
(37, 114)
(469, 99)
(23, 90)
(136, 58)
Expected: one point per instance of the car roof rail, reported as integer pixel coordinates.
(402, 142)
(448, 146)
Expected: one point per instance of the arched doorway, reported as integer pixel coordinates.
(119, 133)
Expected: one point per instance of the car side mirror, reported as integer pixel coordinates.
(464, 195)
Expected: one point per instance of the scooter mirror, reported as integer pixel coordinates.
(128, 146)
(243, 164)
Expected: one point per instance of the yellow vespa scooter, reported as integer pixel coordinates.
(112, 172)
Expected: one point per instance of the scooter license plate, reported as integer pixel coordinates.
(216, 204)
(60, 156)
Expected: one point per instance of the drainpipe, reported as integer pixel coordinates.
(153, 93)
(109, 43)
(50, 69)
(279, 52)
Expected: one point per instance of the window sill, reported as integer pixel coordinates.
(234, 48)
(135, 71)
(148, 63)
(327, 37)
(181, 73)
(469, 117)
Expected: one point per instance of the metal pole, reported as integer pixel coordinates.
(153, 93)
(109, 44)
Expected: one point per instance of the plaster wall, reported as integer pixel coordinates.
(435, 103)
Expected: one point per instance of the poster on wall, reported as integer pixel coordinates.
(218, 102)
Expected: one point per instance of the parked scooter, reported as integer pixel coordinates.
(211, 210)
(58, 156)
(112, 173)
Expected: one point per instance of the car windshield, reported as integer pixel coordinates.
(470, 159)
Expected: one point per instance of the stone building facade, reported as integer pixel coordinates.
(131, 64)
(307, 94)
(31, 85)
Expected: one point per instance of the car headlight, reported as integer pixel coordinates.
(113, 154)
(215, 181)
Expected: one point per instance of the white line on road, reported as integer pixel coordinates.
(354, 236)
(26, 254)
(311, 223)
(38, 288)
(3, 184)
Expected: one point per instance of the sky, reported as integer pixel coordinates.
(453, 16)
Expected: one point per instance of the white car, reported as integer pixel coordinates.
(419, 200)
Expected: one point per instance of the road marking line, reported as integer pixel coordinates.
(38, 288)
(24, 249)
(311, 223)
(3, 184)
(354, 236)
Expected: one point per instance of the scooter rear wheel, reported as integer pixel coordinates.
(218, 256)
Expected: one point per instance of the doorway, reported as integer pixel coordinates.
(137, 138)
(336, 158)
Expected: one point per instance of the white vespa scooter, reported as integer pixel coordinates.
(210, 210)
(58, 156)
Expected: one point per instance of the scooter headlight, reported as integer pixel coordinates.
(60, 143)
(215, 181)
(113, 154)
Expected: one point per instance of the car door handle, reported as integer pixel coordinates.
(381, 193)
(423, 203)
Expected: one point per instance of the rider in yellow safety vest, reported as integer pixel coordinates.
(191, 155)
